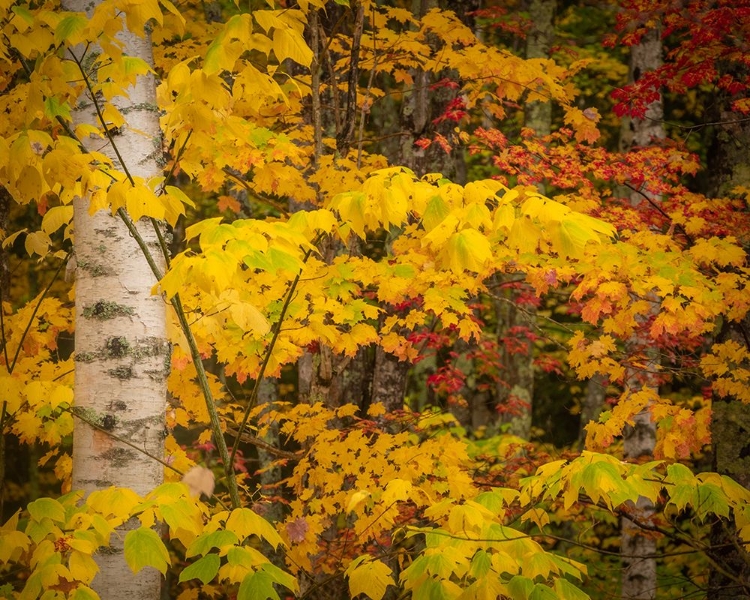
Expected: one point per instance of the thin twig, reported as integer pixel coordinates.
(12, 365)
(256, 441)
(177, 304)
(261, 373)
(365, 104)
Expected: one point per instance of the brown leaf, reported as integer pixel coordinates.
(297, 530)
(200, 480)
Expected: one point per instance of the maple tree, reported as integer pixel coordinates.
(278, 247)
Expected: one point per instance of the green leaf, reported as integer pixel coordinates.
(281, 577)
(538, 564)
(257, 586)
(601, 480)
(83, 592)
(491, 501)
(520, 587)
(53, 108)
(246, 557)
(711, 500)
(204, 568)
(69, 28)
(181, 514)
(679, 474)
(47, 507)
(144, 548)
(133, 65)
(216, 539)
(26, 15)
(567, 590)
(480, 564)
(542, 592)
(245, 522)
(434, 213)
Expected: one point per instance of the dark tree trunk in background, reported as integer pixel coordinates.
(729, 166)
(639, 572)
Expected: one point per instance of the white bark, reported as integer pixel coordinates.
(122, 353)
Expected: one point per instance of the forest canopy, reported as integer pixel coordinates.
(343, 299)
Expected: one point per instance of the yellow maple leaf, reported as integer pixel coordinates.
(369, 577)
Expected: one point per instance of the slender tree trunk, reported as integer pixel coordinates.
(516, 389)
(593, 404)
(729, 165)
(415, 110)
(5, 204)
(639, 571)
(122, 353)
(5, 201)
(538, 115)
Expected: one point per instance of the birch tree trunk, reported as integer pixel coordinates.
(121, 349)
(637, 548)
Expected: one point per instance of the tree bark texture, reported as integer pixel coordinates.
(592, 405)
(729, 166)
(639, 571)
(538, 115)
(121, 350)
(5, 201)
(515, 388)
(516, 368)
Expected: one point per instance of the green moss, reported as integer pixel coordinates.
(147, 106)
(122, 373)
(119, 457)
(117, 347)
(94, 269)
(106, 422)
(84, 357)
(149, 347)
(103, 310)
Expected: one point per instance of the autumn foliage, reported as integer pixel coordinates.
(296, 237)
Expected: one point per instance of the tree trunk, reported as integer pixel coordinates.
(515, 391)
(592, 405)
(538, 115)
(5, 204)
(5, 201)
(515, 388)
(729, 166)
(639, 573)
(121, 349)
